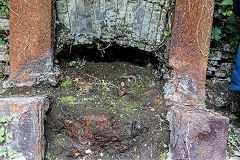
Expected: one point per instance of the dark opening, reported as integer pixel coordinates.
(113, 53)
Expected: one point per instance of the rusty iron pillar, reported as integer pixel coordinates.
(189, 49)
(30, 49)
(196, 133)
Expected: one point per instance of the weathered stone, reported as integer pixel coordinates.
(189, 48)
(4, 24)
(226, 66)
(215, 55)
(30, 47)
(213, 63)
(139, 23)
(212, 69)
(3, 48)
(219, 74)
(218, 96)
(4, 57)
(197, 134)
(27, 125)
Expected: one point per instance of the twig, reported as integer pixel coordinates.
(129, 77)
(102, 50)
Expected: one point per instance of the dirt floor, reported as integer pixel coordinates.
(104, 111)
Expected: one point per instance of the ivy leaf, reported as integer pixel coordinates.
(216, 33)
(2, 131)
(226, 2)
(167, 33)
(57, 22)
(231, 18)
(3, 153)
(3, 120)
(12, 154)
(1, 139)
(9, 118)
(10, 135)
(9, 141)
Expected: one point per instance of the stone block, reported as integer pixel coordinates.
(30, 49)
(197, 134)
(4, 57)
(137, 23)
(3, 48)
(27, 125)
(4, 24)
(215, 55)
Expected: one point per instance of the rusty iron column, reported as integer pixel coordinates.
(31, 59)
(196, 133)
(189, 48)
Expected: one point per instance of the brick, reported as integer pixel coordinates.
(31, 59)
(197, 134)
(27, 125)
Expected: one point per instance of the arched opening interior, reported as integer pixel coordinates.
(109, 104)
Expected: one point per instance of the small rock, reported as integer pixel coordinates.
(89, 151)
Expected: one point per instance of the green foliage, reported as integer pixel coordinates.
(4, 7)
(77, 63)
(164, 155)
(226, 2)
(67, 83)
(2, 41)
(216, 33)
(226, 27)
(167, 33)
(6, 137)
(48, 156)
(69, 100)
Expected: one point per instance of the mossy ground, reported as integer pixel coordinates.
(96, 89)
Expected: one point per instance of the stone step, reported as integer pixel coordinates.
(25, 119)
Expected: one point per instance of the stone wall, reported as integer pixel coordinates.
(4, 56)
(220, 64)
(127, 23)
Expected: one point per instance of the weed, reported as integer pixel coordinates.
(216, 33)
(167, 33)
(234, 141)
(4, 7)
(69, 99)
(231, 25)
(60, 140)
(50, 157)
(77, 64)
(164, 155)
(67, 83)
(6, 138)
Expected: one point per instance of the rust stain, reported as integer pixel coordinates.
(30, 38)
(16, 109)
(190, 42)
